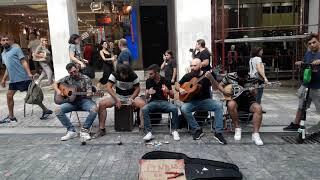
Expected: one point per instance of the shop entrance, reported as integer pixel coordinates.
(154, 33)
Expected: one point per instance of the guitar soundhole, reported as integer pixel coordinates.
(191, 85)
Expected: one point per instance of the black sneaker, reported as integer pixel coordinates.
(8, 120)
(46, 114)
(100, 133)
(219, 137)
(292, 127)
(198, 134)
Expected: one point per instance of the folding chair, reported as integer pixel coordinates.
(94, 89)
(205, 119)
(159, 118)
(243, 116)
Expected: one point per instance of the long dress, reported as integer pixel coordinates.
(107, 69)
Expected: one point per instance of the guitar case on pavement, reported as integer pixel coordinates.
(194, 166)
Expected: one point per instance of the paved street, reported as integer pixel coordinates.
(31, 148)
(44, 156)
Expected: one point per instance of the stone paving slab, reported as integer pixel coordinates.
(44, 156)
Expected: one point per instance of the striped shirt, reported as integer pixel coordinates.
(233, 78)
(124, 87)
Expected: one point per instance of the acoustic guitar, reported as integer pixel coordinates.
(191, 88)
(236, 90)
(69, 94)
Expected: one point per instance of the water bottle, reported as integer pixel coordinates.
(307, 75)
(119, 142)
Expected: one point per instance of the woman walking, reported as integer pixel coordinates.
(257, 69)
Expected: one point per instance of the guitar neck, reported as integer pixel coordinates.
(80, 93)
(250, 88)
(202, 76)
(272, 85)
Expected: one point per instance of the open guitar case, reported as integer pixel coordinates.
(194, 167)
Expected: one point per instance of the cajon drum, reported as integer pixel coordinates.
(123, 118)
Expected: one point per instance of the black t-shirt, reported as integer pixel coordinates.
(205, 54)
(168, 69)
(158, 88)
(124, 87)
(205, 83)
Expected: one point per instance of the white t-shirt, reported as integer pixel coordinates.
(253, 66)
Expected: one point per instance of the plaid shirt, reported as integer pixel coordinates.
(83, 84)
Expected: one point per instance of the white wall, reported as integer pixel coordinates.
(193, 22)
(62, 23)
(313, 17)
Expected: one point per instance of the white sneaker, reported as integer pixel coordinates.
(69, 135)
(148, 137)
(175, 135)
(85, 136)
(256, 139)
(237, 134)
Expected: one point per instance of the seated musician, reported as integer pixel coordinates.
(83, 103)
(201, 101)
(127, 86)
(159, 89)
(245, 102)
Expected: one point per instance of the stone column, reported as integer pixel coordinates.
(193, 22)
(313, 17)
(63, 22)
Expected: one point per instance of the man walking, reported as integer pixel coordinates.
(19, 74)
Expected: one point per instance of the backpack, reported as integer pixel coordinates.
(34, 94)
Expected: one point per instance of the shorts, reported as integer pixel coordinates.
(20, 86)
(245, 102)
(314, 97)
(124, 99)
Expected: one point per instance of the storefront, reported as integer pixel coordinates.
(150, 22)
(278, 26)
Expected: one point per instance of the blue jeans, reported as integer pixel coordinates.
(159, 106)
(259, 95)
(78, 105)
(203, 105)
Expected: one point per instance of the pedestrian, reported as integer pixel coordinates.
(108, 60)
(43, 56)
(32, 46)
(125, 56)
(169, 66)
(311, 56)
(201, 52)
(257, 70)
(17, 68)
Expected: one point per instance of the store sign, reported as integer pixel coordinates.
(103, 20)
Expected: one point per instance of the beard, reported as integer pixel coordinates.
(195, 72)
(6, 46)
